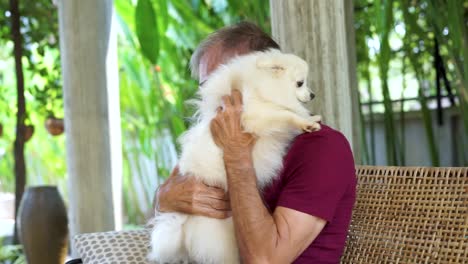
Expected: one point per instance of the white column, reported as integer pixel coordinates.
(92, 114)
(321, 32)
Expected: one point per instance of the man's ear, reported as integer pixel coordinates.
(269, 63)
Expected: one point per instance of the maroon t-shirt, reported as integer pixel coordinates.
(318, 178)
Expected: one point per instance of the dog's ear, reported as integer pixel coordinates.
(270, 63)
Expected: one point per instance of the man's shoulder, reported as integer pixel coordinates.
(321, 151)
(320, 156)
(326, 137)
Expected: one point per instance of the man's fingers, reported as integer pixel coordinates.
(237, 97)
(227, 101)
(218, 214)
(213, 213)
(213, 200)
(220, 204)
(216, 193)
(175, 171)
(214, 129)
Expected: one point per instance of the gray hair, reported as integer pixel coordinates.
(242, 34)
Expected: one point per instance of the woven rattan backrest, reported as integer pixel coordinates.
(409, 215)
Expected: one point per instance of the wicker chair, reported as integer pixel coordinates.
(402, 215)
(409, 215)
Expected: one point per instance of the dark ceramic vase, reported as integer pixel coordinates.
(43, 226)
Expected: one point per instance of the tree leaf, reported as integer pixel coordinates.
(146, 30)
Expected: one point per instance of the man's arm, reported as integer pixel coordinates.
(262, 237)
(265, 238)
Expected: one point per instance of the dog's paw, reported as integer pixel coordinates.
(311, 124)
(311, 127)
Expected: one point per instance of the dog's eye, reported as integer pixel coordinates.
(299, 83)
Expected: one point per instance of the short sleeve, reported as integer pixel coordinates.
(317, 173)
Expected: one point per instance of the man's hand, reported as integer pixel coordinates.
(187, 195)
(228, 133)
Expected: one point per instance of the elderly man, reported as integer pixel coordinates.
(304, 215)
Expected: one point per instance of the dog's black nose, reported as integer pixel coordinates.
(312, 96)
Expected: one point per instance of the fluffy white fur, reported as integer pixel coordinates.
(273, 86)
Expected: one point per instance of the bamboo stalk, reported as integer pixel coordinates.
(364, 145)
(438, 76)
(453, 19)
(385, 10)
(371, 120)
(402, 115)
(412, 26)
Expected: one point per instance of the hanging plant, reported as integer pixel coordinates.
(55, 126)
(28, 132)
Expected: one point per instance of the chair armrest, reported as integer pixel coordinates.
(114, 247)
(74, 261)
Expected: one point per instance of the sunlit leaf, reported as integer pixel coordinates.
(146, 30)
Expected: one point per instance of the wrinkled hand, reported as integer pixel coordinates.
(187, 195)
(227, 130)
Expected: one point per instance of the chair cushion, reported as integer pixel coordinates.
(129, 247)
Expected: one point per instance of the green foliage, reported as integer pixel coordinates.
(417, 65)
(450, 29)
(39, 29)
(11, 254)
(156, 41)
(397, 38)
(43, 92)
(384, 11)
(145, 22)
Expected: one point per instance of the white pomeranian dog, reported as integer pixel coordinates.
(274, 88)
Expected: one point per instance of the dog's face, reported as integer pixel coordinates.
(298, 72)
(288, 72)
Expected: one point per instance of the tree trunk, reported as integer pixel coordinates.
(20, 167)
(88, 48)
(322, 32)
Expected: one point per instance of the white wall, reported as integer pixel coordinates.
(448, 139)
